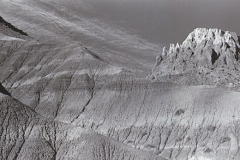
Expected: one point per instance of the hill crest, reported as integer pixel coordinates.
(206, 57)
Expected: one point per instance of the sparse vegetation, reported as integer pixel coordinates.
(179, 112)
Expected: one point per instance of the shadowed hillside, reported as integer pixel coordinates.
(10, 26)
(3, 90)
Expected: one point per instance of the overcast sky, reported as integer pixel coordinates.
(169, 21)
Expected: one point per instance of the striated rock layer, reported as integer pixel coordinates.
(24, 134)
(69, 102)
(207, 56)
(71, 86)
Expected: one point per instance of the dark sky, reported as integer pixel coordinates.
(168, 21)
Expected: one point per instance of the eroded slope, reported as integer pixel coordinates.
(70, 85)
(27, 135)
(82, 95)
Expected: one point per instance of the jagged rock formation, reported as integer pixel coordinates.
(207, 56)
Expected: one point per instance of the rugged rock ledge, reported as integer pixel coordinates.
(207, 56)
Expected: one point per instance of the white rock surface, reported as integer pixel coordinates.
(207, 56)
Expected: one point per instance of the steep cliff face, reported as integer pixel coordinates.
(207, 56)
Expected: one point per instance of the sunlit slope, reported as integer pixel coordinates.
(68, 22)
(27, 135)
(168, 119)
(173, 121)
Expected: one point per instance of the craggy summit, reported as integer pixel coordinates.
(206, 57)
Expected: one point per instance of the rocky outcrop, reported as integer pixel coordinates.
(207, 56)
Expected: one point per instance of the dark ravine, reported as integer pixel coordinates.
(10, 26)
(3, 90)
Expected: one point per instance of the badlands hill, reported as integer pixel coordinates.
(69, 22)
(207, 56)
(72, 99)
(27, 135)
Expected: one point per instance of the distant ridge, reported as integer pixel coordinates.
(207, 57)
(9, 25)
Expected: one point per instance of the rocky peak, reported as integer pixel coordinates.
(204, 51)
(211, 36)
